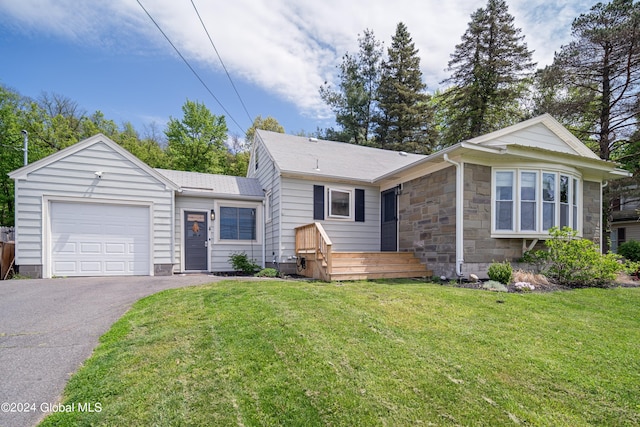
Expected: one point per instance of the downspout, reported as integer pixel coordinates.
(459, 213)
(264, 233)
(25, 149)
(173, 231)
(603, 185)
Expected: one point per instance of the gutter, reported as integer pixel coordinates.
(211, 195)
(459, 213)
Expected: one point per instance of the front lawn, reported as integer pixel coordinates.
(362, 354)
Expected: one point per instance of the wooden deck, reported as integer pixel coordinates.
(321, 262)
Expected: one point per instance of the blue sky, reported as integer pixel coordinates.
(109, 56)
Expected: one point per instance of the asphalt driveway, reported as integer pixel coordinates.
(48, 327)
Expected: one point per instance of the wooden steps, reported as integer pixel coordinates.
(376, 265)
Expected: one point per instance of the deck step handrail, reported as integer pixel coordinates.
(312, 238)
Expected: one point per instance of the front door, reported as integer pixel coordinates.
(196, 240)
(389, 221)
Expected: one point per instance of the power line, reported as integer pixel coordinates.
(190, 67)
(221, 62)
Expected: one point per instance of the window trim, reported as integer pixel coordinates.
(516, 231)
(235, 204)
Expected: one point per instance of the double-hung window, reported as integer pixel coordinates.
(237, 223)
(531, 201)
(504, 200)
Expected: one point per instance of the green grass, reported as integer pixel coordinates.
(365, 354)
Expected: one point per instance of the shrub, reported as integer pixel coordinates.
(538, 280)
(577, 262)
(267, 272)
(500, 272)
(241, 262)
(630, 250)
(493, 285)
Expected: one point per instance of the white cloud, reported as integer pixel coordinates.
(288, 47)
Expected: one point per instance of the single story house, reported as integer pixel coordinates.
(323, 209)
(94, 209)
(487, 199)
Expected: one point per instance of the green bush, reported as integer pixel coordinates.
(267, 272)
(241, 262)
(500, 272)
(630, 250)
(577, 262)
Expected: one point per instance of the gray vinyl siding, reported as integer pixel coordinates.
(219, 252)
(346, 235)
(267, 175)
(537, 136)
(73, 178)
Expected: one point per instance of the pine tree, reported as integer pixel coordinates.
(488, 68)
(353, 102)
(404, 119)
(603, 61)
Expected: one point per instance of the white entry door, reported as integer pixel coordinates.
(93, 239)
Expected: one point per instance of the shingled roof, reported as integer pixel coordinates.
(303, 156)
(214, 184)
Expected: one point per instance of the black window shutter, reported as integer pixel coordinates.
(318, 202)
(359, 205)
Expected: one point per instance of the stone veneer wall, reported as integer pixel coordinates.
(480, 250)
(427, 208)
(591, 208)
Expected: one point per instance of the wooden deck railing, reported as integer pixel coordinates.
(312, 238)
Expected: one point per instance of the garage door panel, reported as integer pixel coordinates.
(63, 268)
(90, 267)
(90, 248)
(116, 267)
(66, 247)
(115, 248)
(99, 239)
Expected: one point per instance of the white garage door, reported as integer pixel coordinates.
(89, 239)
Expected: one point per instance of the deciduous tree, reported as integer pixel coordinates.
(197, 142)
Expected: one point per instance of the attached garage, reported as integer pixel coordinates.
(93, 209)
(95, 239)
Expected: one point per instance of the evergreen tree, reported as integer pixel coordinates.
(404, 117)
(603, 61)
(488, 68)
(354, 101)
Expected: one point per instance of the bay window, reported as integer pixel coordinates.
(529, 201)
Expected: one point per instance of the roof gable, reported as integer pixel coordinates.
(24, 171)
(312, 157)
(543, 132)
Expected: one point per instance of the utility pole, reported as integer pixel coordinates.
(26, 147)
